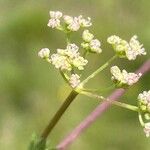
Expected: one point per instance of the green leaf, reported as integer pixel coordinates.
(37, 143)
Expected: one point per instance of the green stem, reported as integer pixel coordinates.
(99, 70)
(141, 120)
(58, 114)
(65, 77)
(123, 105)
(68, 38)
(85, 53)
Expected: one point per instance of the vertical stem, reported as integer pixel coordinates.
(65, 77)
(68, 38)
(85, 53)
(141, 120)
(58, 114)
(99, 70)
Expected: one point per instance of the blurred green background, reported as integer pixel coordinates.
(31, 90)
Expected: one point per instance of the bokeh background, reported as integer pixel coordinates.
(31, 90)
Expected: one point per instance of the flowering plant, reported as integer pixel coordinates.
(72, 60)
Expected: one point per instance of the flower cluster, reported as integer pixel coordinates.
(44, 53)
(54, 21)
(144, 107)
(124, 49)
(123, 78)
(69, 23)
(147, 129)
(74, 80)
(90, 44)
(144, 101)
(66, 59)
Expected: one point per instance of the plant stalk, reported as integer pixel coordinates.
(58, 114)
(98, 70)
(120, 104)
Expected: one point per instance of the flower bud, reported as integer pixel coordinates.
(85, 45)
(44, 53)
(87, 36)
(95, 46)
(68, 19)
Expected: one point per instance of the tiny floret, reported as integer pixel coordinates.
(144, 101)
(54, 23)
(113, 39)
(72, 50)
(55, 16)
(74, 25)
(60, 62)
(147, 129)
(135, 49)
(90, 44)
(74, 80)
(95, 46)
(44, 53)
(68, 19)
(84, 22)
(79, 62)
(123, 78)
(87, 36)
(145, 96)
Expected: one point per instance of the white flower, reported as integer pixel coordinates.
(55, 14)
(147, 129)
(68, 19)
(95, 46)
(60, 62)
(130, 78)
(123, 79)
(113, 39)
(67, 58)
(74, 25)
(144, 101)
(87, 36)
(135, 49)
(79, 62)
(74, 80)
(72, 50)
(145, 96)
(44, 53)
(116, 72)
(54, 22)
(124, 49)
(84, 22)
